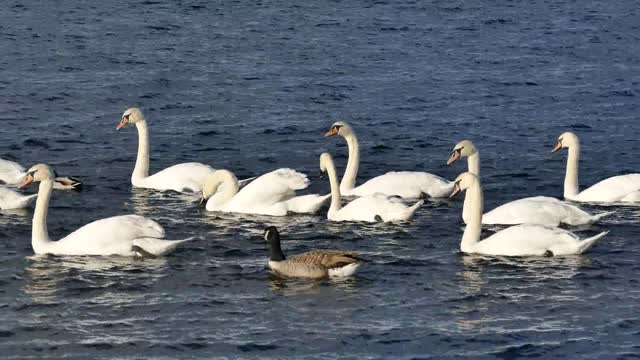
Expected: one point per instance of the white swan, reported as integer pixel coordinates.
(371, 208)
(270, 194)
(621, 188)
(12, 173)
(127, 235)
(406, 184)
(10, 199)
(187, 177)
(519, 240)
(542, 210)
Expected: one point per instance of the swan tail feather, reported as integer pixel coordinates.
(242, 183)
(597, 217)
(587, 243)
(405, 214)
(157, 247)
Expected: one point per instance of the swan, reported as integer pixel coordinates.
(127, 235)
(519, 240)
(12, 173)
(406, 184)
(621, 188)
(270, 194)
(313, 264)
(187, 177)
(542, 210)
(10, 199)
(370, 208)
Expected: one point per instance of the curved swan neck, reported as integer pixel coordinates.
(351, 172)
(571, 183)
(141, 170)
(335, 188)
(39, 234)
(473, 163)
(229, 183)
(475, 200)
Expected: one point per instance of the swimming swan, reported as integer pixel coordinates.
(519, 240)
(12, 173)
(270, 194)
(127, 235)
(406, 184)
(313, 264)
(621, 188)
(542, 210)
(370, 208)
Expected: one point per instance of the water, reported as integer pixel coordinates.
(253, 86)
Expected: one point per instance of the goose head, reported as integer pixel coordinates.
(464, 148)
(273, 238)
(271, 234)
(566, 140)
(463, 182)
(131, 116)
(339, 128)
(40, 172)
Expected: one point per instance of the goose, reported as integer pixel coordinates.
(370, 208)
(621, 188)
(12, 173)
(406, 184)
(186, 177)
(519, 240)
(10, 199)
(126, 235)
(272, 194)
(542, 210)
(313, 264)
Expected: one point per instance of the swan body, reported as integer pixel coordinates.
(12, 173)
(126, 235)
(272, 194)
(541, 210)
(10, 199)
(621, 188)
(188, 177)
(370, 208)
(519, 240)
(406, 184)
(313, 264)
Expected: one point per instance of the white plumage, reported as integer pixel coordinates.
(10, 199)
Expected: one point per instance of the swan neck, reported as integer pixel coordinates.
(221, 187)
(473, 163)
(473, 199)
(141, 170)
(351, 172)
(335, 188)
(39, 234)
(571, 184)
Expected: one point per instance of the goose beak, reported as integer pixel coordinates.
(333, 131)
(456, 190)
(123, 122)
(455, 155)
(557, 147)
(27, 180)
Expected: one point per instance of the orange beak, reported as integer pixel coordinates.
(123, 122)
(557, 147)
(27, 180)
(454, 156)
(333, 131)
(456, 190)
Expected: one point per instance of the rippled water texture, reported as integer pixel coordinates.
(253, 86)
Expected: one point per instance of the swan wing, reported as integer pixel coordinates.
(11, 172)
(307, 204)
(10, 199)
(406, 184)
(368, 208)
(541, 210)
(612, 189)
(187, 177)
(529, 240)
(268, 189)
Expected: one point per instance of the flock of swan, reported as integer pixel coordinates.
(534, 220)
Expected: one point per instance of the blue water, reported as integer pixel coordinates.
(253, 86)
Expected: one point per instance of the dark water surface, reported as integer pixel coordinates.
(253, 86)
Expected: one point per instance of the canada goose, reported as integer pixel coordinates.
(313, 264)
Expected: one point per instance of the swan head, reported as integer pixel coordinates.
(464, 148)
(463, 182)
(131, 116)
(40, 172)
(339, 128)
(566, 140)
(325, 160)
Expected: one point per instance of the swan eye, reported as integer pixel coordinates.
(126, 116)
